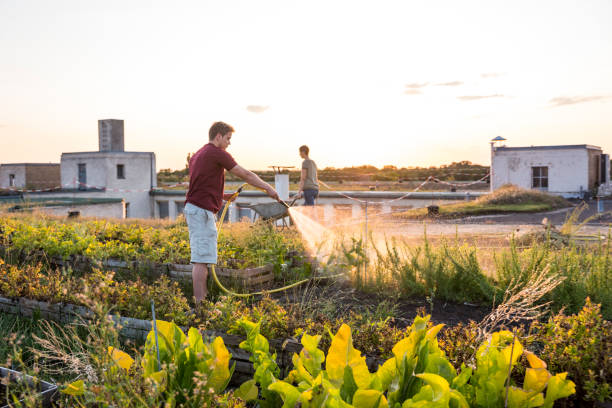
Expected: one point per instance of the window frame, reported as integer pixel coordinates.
(539, 177)
(121, 175)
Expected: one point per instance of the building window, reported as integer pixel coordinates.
(11, 180)
(180, 207)
(82, 176)
(120, 171)
(539, 177)
(163, 209)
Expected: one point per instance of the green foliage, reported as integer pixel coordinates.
(587, 272)
(447, 272)
(190, 372)
(127, 298)
(264, 364)
(240, 245)
(580, 344)
(418, 374)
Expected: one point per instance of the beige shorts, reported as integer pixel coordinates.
(202, 234)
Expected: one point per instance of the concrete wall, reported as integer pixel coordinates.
(568, 169)
(39, 176)
(329, 203)
(19, 170)
(110, 135)
(140, 177)
(594, 168)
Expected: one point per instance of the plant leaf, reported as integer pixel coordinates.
(369, 399)
(342, 354)
(75, 388)
(120, 358)
(248, 391)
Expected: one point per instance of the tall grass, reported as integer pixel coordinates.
(451, 271)
(587, 271)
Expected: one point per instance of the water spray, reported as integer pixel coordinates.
(232, 293)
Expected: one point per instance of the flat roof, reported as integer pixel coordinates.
(56, 201)
(553, 147)
(29, 164)
(109, 152)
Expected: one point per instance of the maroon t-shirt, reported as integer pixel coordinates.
(207, 177)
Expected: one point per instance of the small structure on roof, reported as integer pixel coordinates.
(567, 170)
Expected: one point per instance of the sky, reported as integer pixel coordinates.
(404, 83)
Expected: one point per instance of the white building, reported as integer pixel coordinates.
(112, 172)
(108, 183)
(566, 170)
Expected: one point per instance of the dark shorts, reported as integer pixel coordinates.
(310, 196)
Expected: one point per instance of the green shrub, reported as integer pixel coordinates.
(580, 344)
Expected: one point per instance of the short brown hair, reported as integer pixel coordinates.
(304, 149)
(219, 127)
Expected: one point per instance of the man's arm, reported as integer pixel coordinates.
(254, 180)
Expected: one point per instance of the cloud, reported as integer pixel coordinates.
(451, 83)
(417, 85)
(467, 98)
(257, 108)
(412, 92)
(492, 75)
(571, 100)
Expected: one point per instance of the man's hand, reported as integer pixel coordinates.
(272, 193)
(299, 195)
(230, 197)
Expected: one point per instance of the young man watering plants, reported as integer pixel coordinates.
(309, 186)
(205, 198)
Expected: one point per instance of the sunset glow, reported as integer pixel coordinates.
(397, 82)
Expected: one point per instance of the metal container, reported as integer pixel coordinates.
(45, 391)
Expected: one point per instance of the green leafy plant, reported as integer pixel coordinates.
(418, 374)
(188, 370)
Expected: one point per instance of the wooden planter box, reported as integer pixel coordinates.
(245, 277)
(46, 392)
(249, 276)
(138, 329)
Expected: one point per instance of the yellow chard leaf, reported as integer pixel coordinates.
(220, 363)
(439, 386)
(369, 399)
(558, 387)
(75, 388)
(342, 354)
(120, 358)
(515, 352)
(534, 361)
(535, 379)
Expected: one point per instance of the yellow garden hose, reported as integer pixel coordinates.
(214, 273)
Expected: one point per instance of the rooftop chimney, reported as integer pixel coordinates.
(110, 135)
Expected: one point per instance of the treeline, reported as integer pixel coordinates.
(456, 171)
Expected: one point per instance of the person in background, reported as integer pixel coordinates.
(309, 184)
(205, 198)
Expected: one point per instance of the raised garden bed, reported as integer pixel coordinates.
(246, 277)
(243, 277)
(138, 329)
(45, 391)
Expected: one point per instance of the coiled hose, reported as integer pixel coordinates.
(232, 293)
